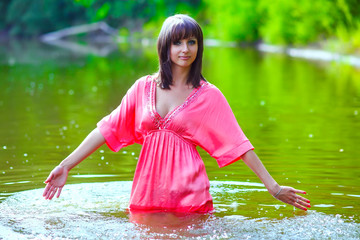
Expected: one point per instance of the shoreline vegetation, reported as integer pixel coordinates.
(321, 30)
(111, 36)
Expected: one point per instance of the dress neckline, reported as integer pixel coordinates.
(160, 121)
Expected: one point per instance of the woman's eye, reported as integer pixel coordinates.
(192, 42)
(177, 43)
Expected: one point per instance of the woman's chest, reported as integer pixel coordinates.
(177, 112)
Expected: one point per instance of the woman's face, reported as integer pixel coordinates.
(183, 52)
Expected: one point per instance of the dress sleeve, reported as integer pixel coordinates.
(219, 132)
(118, 128)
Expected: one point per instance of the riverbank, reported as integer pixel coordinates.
(104, 45)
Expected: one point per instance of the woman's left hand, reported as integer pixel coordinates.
(290, 196)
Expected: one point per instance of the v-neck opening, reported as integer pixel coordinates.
(153, 93)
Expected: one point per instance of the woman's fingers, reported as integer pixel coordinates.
(53, 192)
(49, 178)
(303, 204)
(59, 191)
(290, 196)
(300, 202)
(46, 190)
(299, 206)
(303, 199)
(50, 191)
(299, 191)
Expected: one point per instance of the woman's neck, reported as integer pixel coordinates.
(180, 76)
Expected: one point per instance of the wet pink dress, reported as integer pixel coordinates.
(170, 175)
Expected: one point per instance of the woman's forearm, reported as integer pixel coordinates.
(255, 164)
(92, 142)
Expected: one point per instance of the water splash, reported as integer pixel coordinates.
(98, 211)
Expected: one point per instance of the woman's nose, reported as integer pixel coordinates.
(185, 48)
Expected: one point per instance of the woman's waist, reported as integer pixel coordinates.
(168, 136)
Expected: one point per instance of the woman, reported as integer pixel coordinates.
(170, 113)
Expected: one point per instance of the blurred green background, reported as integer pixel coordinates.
(330, 24)
(301, 115)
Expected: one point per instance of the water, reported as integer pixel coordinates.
(98, 211)
(302, 117)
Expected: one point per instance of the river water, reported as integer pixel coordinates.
(303, 117)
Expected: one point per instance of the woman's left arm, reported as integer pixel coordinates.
(285, 194)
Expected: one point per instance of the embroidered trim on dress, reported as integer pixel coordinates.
(161, 123)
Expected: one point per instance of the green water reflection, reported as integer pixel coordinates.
(302, 117)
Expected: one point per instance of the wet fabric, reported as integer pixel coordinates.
(170, 174)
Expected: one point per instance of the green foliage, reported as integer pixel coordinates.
(283, 21)
(298, 21)
(29, 18)
(102, 12)
(278, 22)
(233, 20)
(32, 18)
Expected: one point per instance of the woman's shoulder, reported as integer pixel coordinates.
(144, 80)
(211, 89)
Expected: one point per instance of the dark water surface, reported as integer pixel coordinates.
(302, 117)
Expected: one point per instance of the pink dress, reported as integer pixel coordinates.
(170, 175)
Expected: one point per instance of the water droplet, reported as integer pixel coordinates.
(272, 118)
(262, 103)
(71, 92)
(341, 150)
(102, 151)
(57, 147)
(133, 153)
(102, 157)
(51, 76)
(124, 152)
(355, 112)
(64, 127)
(94, 88)
(11, 61)
(25, 154)
(4, 147)
(311, 135)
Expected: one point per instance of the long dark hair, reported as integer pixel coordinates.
(176, 28)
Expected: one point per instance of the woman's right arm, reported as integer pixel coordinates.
(58, 176)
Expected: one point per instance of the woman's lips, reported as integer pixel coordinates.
(184, 57)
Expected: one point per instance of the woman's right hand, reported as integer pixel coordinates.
(55, 182)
